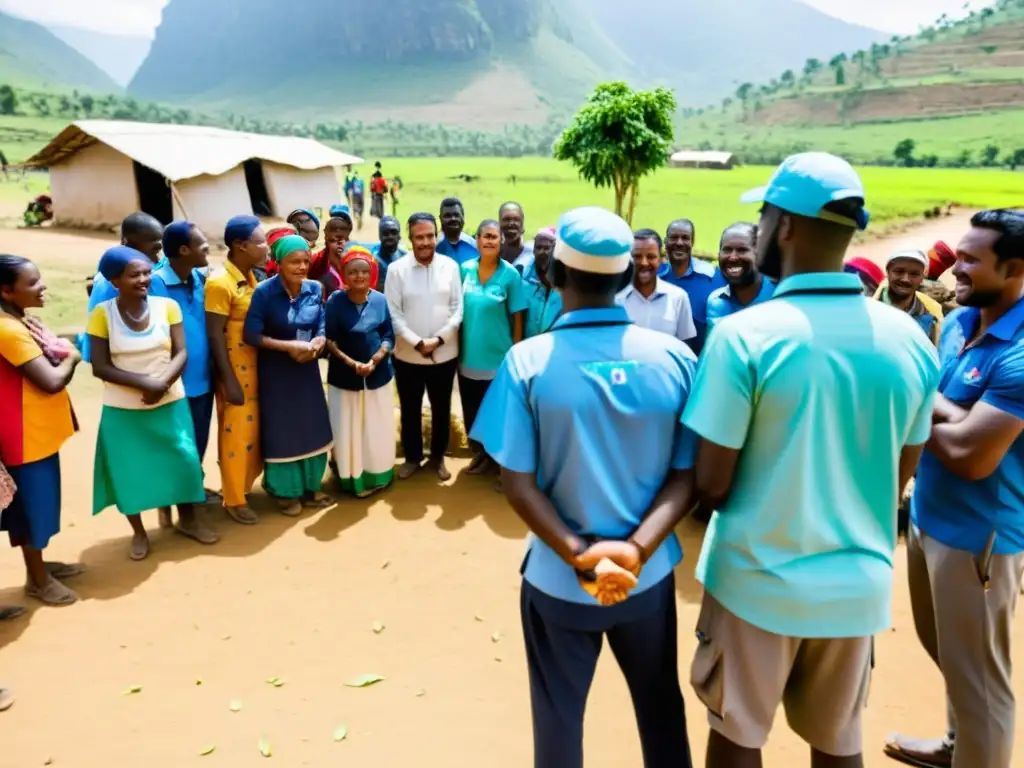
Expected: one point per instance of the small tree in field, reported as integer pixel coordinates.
(904, 152)
(1015, 159)
(619, 136)
(8, 100)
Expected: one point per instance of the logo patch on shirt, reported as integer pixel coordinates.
(618, 377)
(973, 376)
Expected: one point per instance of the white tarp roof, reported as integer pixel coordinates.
(693, 156)
(185, 151)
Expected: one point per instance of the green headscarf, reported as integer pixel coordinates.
(287, 245)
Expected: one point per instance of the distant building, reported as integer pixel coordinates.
(102, 170)
(719, 161)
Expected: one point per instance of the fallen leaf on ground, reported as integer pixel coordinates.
(265, 748)
(497, 658)
(341, 733)
(199, 681)
(235, 705)
(378, 627)
(496, 637)
(364, 681)
(133, 689)
(226, 637)
(421, 693)
(277, 682)
(385, 564)
(478, 618)
(207, 750)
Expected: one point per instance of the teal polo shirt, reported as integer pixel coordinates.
(487, 318)
(820, 389)
(592, 408)
(191, 298)
(543, 307)
(959, 513)
(721, 302)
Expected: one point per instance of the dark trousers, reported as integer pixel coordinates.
(563, 641)
(202, 415)
(438, 381)
(471, 392)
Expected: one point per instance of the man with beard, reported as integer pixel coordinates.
(545, 302)
(388, 249)
(513, 224)
(965, 550)
(746, 285)
(649, 301)
(827, 396)
(455, 244)
(695, 276)
(904, 275)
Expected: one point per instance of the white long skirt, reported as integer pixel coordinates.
(364, 438)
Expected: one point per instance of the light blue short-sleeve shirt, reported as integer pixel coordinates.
(821, 388)
(667, 309)
(721, 302)
(487, 318)
(191, 298)
(593, 409)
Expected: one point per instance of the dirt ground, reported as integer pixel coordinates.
(196, 628)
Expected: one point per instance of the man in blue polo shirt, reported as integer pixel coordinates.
(180, 278)
(455, 244)
(746, 285)
(695, 276)
(584, 421)
(813, 408)
(965, 547)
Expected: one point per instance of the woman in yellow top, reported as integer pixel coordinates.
(228, 295)
(35, 420)
(138, 348)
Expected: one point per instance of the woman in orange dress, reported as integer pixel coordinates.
(228, 294)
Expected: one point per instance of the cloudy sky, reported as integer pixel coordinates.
(140, 17)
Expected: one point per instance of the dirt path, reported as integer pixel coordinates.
(297, 599)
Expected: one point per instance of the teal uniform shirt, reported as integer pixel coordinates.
(487, 318)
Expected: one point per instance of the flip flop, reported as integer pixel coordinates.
(242, 515)
(64, 570)
(10, 612)
(319, 501)
(197, 532)
(54, 593)
(6, 699)
(289, 507)
(139, 551)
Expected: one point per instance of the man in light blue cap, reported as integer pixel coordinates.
(813, 409)
(585, 422)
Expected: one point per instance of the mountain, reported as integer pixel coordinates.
(472, 63)
(120, 56)
(32, 56)
(956, 87)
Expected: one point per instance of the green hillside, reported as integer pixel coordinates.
(31, 56)
(956, 90)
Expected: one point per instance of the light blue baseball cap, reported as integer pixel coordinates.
(595, 240)
(804, 184)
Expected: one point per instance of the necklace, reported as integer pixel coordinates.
(139, 319)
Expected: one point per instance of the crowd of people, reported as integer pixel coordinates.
(612, 382)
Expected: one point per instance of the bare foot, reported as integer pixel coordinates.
(140, 547)
(163, 516)
(289, 507)
(242, 515)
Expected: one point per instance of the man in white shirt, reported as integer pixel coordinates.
(424, 292)
(649, 301)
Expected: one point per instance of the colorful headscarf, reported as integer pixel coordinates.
(288, 244)
(356, 253)
(114, 261)
(306, 211)
(865, 267)
(240, 228)
(940, 258)
(273, 236)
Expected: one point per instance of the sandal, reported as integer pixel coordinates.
(289, 507)
(6, 699)
(197, 532)
(242, 515)
(140, 548)
(64, 570)
(54, 593)
(212, 497)
(9, 612)
(319, 501)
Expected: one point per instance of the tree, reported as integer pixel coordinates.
(1015, 158)
(619, 136)
(989, 155)
(812, 67)
(788, 78)
(87, 105)
(904, 152)
(8, 100)
(840, 75)
(743, 92)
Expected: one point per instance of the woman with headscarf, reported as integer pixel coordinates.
(273, 235)
(286, 324)
(36, 418)
(138, 349)
(360, 338)
(229, 292)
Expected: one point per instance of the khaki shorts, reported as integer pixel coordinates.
(742, 673)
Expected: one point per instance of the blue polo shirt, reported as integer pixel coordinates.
(593, 409)
(820, 390)
(487, 318)
(722, 304)
(544, 304)
(192, 300)
(963, 513)
(383, 263)
(102, 290)
(462, 251)
(699, 281)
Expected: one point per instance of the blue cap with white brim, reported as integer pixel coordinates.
(594, 240)
(805, 183)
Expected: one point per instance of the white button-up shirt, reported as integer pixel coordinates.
(425, 302)
(667, 309)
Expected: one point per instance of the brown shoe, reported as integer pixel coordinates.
(407, 470)
(923, 753)
(442, 472)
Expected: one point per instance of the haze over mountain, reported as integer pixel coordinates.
(470, 62)
(120, 56)
(33, 56)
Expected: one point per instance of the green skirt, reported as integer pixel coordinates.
(294, 479)
(146, 459)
